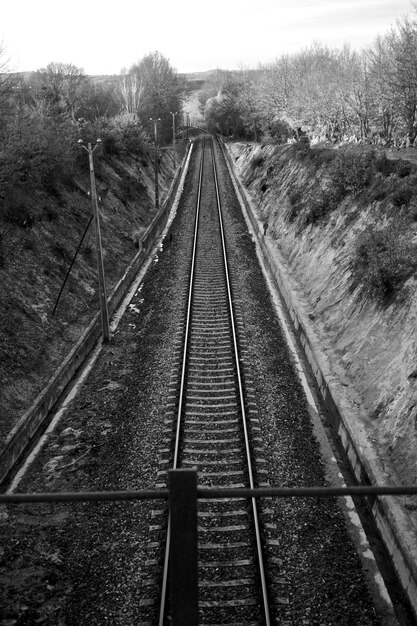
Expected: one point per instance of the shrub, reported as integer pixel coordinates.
(322, 156)
(402, 195)
(258, 160)
(50, 213)
(263, 185)
(130, 188)
(316, 209)
(38, 147)
(384, 165)
(383, 260)
(295, 201)
(30, 244)
(61, 252)
(352, 170)
(402, 168)
(393, 166)
(16, 209)
(123, 134)
(302, 146)
(280, 131)
(110, 145)
(323, 204)
(379, 188)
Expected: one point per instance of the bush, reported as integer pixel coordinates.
(383, 260)
(258, 160)
(16, 209)
(50, 214)
(403, 168)
(320, 206)
(384, 165)
(322, 156)
(130, 188)
(38, 147)
(110, 145)
(280, 131)
(379, 189)
(123, 134)
(402, 195)
(302, 146)
(295, 201)
(61, 251)
(352, 170)
(30, 245)
(316, 210)
(393, 166)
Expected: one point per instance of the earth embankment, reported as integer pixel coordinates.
(39, 325)
(324, 224)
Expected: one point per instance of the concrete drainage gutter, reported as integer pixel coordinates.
(396, 527)
(37, 416)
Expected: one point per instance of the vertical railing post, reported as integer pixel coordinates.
(183, 559)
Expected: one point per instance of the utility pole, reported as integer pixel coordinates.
(99, 249)
(155, 132)
(173, 134)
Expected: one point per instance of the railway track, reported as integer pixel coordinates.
(215, 422)
(291, 561)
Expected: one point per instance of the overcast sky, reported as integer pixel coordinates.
(104, 36)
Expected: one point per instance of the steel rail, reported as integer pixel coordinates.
(162, 606)
(242, 402)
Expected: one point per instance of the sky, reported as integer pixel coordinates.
(106, 36)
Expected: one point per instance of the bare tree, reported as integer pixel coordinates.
(131, 90)
(152, 88)
(394, 75)
(8, 81)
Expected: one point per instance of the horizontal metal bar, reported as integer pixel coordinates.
(306, 492)
(162, 494)
(87, 496)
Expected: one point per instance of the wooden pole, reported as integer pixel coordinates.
(99, 251)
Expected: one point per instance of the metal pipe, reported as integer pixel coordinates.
(207, 494)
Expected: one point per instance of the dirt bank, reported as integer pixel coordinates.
(370, 343)
(37, 251)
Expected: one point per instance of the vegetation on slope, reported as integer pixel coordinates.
(385, 253)
(45, 208)
(352, 270)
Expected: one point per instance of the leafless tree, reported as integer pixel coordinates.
(131, 90)
(152, 88)
(8, 80)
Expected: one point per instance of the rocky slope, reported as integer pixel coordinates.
(368, 336)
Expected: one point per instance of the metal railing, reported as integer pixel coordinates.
(182, 495)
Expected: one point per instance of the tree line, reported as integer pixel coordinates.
(328, 94)
(44, 113)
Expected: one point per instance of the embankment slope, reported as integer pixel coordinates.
(367, 335)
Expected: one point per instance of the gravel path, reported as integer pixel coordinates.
(81, 564)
